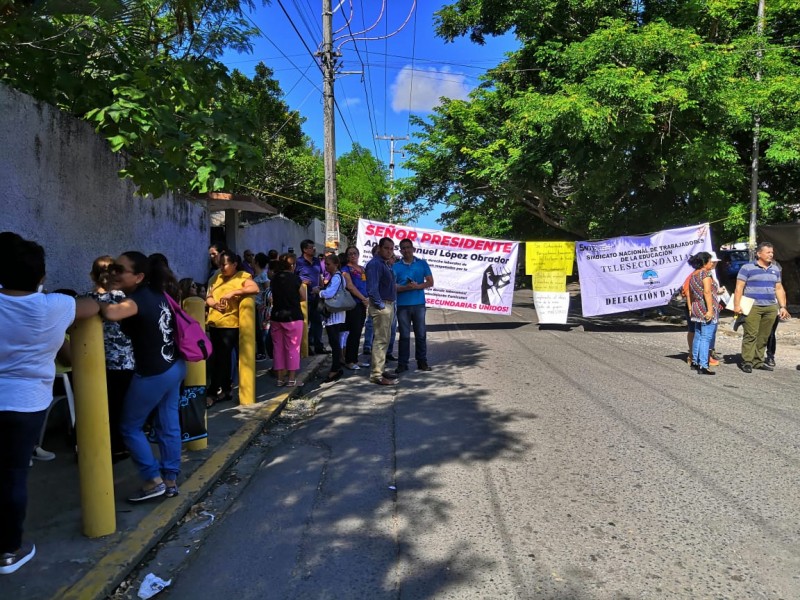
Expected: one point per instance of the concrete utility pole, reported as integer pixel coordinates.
(328, 58)
(392, 139)
(751, 242)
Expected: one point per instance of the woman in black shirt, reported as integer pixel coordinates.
(286, 322)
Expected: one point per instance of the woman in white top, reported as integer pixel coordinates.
(33, 326)
(333, 321)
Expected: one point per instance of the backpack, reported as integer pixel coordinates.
(191, 340)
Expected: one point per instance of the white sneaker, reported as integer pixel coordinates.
(40, 453)
(363, 364)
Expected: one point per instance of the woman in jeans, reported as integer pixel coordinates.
(145, 317)
(33, 327)
(704, 311)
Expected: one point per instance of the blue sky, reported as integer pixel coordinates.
(404, 74)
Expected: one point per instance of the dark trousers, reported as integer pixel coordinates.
(260, 347)
(336, 346)
(117, 383)
(772, 341)
(19, 433)
(314, 324)
(354, 323)
(225, 341)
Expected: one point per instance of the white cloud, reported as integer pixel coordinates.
(352, 101)
(420, 89)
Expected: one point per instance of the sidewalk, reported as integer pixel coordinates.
(68, 564)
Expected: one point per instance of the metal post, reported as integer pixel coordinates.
(94, 442)
(247, 351)
(392, 139)
(751, 241)
(196, 371)
(328, 60)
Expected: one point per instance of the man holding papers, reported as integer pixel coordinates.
(759, 282)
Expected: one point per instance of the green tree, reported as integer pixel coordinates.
(616, 117)
(362, 185)
(145, 73)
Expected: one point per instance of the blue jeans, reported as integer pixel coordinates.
(408, 316)
(703, 334)
(19, 432)
(161, 392)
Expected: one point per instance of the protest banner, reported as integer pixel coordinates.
(552, 308)
(469, 273)
(549, 281)
(636, 272)
(549, 256)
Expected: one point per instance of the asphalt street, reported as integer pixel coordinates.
(576, 463)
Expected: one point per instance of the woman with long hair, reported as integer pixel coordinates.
(225, 291)
(145, 317)
(286, 321)
(187, 288)
(355, 277)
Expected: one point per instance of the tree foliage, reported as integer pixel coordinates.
(616, 117)
(362, 185)
(145, 73)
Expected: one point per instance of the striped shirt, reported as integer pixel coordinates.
(760, 282)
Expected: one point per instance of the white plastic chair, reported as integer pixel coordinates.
(70, 402)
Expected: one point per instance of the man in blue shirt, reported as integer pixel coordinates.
(382, 293)
(413, 277)
(761, 281)
(309, 270)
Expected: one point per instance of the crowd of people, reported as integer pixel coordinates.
(144, 368)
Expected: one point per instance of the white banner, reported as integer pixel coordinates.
(631, 273)
(552, 308)
(469, 273)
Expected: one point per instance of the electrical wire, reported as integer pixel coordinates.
(411, 84)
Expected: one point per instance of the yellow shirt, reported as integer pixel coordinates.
(217, 289)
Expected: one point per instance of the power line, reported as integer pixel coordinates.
(291, 22)
(413, 54)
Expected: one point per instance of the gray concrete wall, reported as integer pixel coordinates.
(60, 188)
(281, 234)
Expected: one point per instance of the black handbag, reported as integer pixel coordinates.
(342, 300)
(192, 412)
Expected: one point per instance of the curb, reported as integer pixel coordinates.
(114, 567)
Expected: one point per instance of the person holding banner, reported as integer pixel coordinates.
(704, 310)
(413, 277)
(761, 282)
(382, 292)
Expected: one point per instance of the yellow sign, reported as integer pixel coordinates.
(549, 281)
(549, 256)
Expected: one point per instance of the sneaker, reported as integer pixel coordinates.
(260, 357)
(401, 369)
(11, 561)
(747, 368)
(154, 492)
(171, 491)
(388, 375)
(713, 362)
(764, 367)
(770, 361)
(352, 367)
(706, 371)
(40, 453)
(364, 363)
(391, 358)
(423, 366)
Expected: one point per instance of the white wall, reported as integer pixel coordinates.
(281, 234)
(60, 188)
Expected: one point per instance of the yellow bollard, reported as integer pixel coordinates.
(247, 351)
(196, 372)
(94, 443)
(304, 340)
